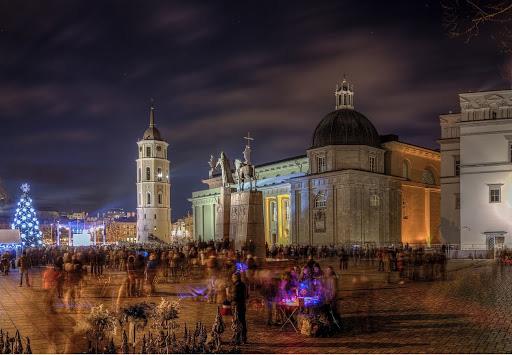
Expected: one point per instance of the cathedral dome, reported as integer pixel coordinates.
(345, 127)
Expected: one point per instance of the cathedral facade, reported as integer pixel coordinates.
(351, 187)
(153, 186)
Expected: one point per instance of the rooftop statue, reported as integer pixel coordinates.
(227, 178)
(213, 168)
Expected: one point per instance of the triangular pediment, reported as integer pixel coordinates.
(494, 97)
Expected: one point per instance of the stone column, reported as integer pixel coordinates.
(247, 221)
(222, 215)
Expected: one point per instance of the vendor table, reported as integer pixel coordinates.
(288, 318)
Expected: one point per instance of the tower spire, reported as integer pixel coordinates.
(152, 116)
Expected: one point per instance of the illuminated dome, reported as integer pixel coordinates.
(345, 127)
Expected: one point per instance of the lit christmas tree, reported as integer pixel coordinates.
(25, 220)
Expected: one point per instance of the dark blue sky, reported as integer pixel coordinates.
(76, 78)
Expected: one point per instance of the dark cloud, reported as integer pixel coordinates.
(76, 79)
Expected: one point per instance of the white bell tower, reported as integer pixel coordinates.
(153, 186)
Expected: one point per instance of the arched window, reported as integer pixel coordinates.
(374, 200)
(159, 174)
(159, 199)
(149, 198)
(405, 169)
(148, 152)
(140, 174)
(428, 177)
(148, 173)
(320, 201)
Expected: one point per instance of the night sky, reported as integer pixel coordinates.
(76, 78)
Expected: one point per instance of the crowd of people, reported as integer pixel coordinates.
(291, 272)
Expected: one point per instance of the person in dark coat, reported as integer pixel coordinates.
(238, 295)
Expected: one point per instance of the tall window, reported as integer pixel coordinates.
(428, 177)
(374, 200)
(159, 174)
(321, 164)
(320, 201)
(148, 173)
(405, 169)
(148, 152)
(159, 199)
(457, 166)
(140, 174)
(372, 163)
(494, 193)
(149, 198)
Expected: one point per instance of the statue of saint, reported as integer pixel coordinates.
(247, 155)
(227, 178)
(213, 168)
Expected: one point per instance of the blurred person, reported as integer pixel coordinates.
(237, 294)
(100, 260)
(24, 264)
(130, 276)
(50, 281)
(151, 269)
(93, 261)
(305, 282)
(6, 263)
(139, 266)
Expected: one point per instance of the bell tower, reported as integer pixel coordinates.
(153, 186)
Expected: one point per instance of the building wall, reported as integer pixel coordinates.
(485, 160)
(421, 213)
(450, 182)
(348, 216)
(346, 157)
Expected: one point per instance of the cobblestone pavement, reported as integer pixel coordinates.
(468, 313)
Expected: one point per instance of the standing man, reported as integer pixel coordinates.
(238, 295)
(24, 265)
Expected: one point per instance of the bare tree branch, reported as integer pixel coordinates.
(465, 18)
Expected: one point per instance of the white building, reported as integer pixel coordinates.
(153, 186)
(476, 171)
